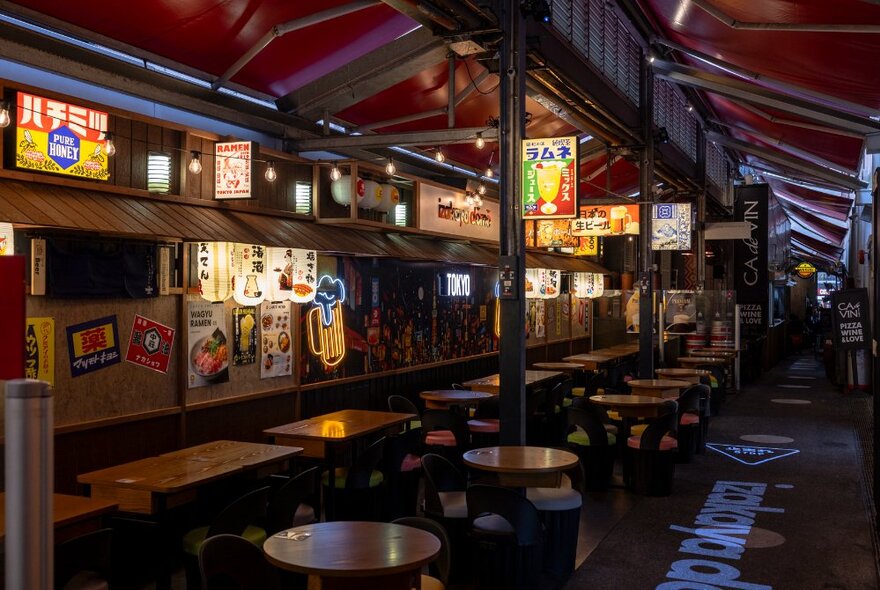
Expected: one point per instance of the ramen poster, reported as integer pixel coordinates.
(208, 348)
(549, 171)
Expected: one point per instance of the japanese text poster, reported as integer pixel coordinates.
(39, 348)
(208, 350)
(244, 335)
(93, 345)
(150, 344)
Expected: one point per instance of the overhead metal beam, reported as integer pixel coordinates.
(434, 137)
(288, 27)
(800, 124)
(731, 22)
(831, 176)
(785, 87)
(786, 147)
(737, 89)
(366, 76)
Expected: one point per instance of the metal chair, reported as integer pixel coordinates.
(230, 562)
(438, 569)
(357, 490)
(652, 454)
(84, 562)
(293, 503)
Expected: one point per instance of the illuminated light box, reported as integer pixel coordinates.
(606, 220)
(213, 261)
(454, 284)
(671, 226)
(549, 178)
(54, 136)
(233, 170)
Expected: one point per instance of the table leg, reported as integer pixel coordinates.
(330, 504)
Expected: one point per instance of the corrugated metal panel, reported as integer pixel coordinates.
(671, 112)
(599, 36)
(716, 166)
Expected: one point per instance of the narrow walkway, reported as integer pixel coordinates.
(781, 501)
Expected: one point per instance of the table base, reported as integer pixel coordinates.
(401, 581)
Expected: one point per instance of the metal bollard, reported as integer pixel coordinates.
(29, 485)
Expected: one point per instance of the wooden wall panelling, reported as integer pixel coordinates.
(243, 420)
(138, 146)
(120, 173)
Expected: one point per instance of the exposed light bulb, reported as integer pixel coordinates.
(4, 114)
(480, 143)
(271, 175)
(489, 173)
(469, 200)
(481, 189)
(690, 108)
(109, 146)
(335, 173)
(651, 59)
(439, 156)
(195, 164)
(390, 168)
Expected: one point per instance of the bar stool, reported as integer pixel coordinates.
(593, 444)
(652, 455)
(560, 512)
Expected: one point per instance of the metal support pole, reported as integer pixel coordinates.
(645, 283)
(875, 271)
(512, 357)
(450, 107)
(700, 241)
(29, 484)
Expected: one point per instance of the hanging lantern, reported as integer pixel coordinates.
(595, 285)
(390, 198)
(7, 242)
(552, 283)
(579, 284)
(532, 286)
(214, 261)
(249, 274)
(371, 196)
(280, 274)
(304, 278)
(340, 190)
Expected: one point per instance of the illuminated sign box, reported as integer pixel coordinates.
(549, 177)
(232, 170)
(671, 226)
(606, 220)
(53, 136)
(454, 284)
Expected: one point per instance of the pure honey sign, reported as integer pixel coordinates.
(53, 136)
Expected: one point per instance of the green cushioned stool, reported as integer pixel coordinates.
(376, 478)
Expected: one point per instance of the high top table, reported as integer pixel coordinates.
(492, 383)
(522, 467)
(593, 361)
(72, 515)
(683, 374)
(350, 555)
(442, 399)
(665, 388)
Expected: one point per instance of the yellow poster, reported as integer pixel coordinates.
(40, 349)
(53, 136)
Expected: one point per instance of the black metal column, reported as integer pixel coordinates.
(700, 236)
(646, 196)
(875, 364)
(512, 358)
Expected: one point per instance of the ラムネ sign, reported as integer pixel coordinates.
(232, 170)
(53, 136)
(93, 345)
(150, 344)
(550, 182)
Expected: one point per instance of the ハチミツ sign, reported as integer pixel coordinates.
(850, 317)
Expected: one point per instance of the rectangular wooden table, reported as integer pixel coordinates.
(492, 383)
(327, 436)
(73, 515)
(156, 484)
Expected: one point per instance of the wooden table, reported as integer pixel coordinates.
(690, 375)
(492, 383)
(665, 388)
(631, 406)
(246, 455)
(156, 484)
(326, 436)
(558, 366)
(593, 361)
(693, 361)
(349, 555)
(73, 515)
(522, 466)
(445, 398)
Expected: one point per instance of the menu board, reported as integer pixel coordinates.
(208, 356)
(680, 316)
(244, 335)
(850, 313)
(275, 341)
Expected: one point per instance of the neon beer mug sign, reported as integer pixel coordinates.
(324, 324)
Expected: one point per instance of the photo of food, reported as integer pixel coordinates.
(283, 342)
(275, 340)
(210, 355)
(209, 351)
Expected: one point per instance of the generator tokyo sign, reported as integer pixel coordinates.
(549, 178)
(53, 136)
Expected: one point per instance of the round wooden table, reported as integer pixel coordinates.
(631, 406)
(559, 366)
(683, 374)
(346, 554)
(522, 467)
(440, 399)
(668, 388)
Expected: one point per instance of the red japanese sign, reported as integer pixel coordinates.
(150, 344)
